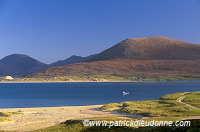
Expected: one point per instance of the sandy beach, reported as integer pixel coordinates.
(43, 117)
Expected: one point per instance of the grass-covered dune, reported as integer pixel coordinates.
(77, 126)
(192, 99)
(165, 106)
(4, 116)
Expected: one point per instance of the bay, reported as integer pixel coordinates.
(25, 95)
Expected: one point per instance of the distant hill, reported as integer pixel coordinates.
(151, 48)
(19, 64)
(150, 56)
(71, 60)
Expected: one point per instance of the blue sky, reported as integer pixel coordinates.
(51, 30)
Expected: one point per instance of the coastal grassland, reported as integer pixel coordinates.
(7, 131)
(8, 114)
(4, 116)
(174, 96)
(101, 78)
(166, 106)
(112, 119)
(78, 78)
(193, 99)
(135, 119)
(77, 126)
(169, 78)
(2, 119)
(68, 126)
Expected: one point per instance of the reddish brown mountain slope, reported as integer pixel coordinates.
(151, 48)
(126, 67)
(151, 56)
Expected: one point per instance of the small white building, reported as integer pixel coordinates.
(9, 78)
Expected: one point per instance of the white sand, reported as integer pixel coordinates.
(43, 117)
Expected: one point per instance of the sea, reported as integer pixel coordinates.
(26, 95)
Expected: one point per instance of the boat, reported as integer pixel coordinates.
(125, 93)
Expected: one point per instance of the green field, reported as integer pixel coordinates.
(193, 99)
(100, 78)
(166, 106)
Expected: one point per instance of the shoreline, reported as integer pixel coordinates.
(43, 117)
(71, 81)
(99, 81)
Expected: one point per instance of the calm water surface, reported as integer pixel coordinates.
(20, 95)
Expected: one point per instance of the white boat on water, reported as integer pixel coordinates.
(125, 93)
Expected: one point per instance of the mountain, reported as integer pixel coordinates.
(20, 64)
(151, 48)
(150, 56)
(71, 60)
(125, 68)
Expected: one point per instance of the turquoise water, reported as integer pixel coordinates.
(22, 95)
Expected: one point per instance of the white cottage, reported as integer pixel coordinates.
(9, 77)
